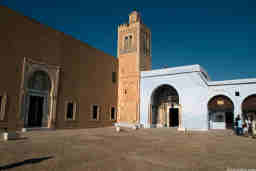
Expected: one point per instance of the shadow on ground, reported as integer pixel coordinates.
(28, 161)
(18, 138)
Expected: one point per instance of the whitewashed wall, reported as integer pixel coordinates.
(194, 93)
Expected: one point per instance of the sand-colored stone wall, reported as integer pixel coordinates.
(85, 72)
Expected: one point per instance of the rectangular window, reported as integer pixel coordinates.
(70, 110)
(126, 42)
(95, 112)
(114, 77)
(145, 43)
(148, 47)
(130, 42)
(149, 44)
(113, 113)
(237, 93)
(3, 101)
(0, 104)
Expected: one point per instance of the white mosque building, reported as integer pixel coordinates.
(185, 97)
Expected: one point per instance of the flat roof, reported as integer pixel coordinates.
(194, 68)
(174, 70)
(230, 82)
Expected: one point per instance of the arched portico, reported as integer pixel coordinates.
(249, 107)
(220, 112)
(164, 107)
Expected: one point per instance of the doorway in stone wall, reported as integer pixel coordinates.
(38, 94)
(35, 112)
(36, 102)
(174, 117)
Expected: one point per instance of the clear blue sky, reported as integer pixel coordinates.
(220, 35)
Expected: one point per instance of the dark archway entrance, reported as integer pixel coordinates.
(165, 107)
(221, 113)
(35, 112)
(249, 107)
(174, 117)
(39, 86)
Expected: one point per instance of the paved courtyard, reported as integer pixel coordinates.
(143, 150)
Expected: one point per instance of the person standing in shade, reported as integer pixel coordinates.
(250, 125)
(240, 126)
(236, 124)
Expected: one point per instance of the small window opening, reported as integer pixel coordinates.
(95, 112)
(114, 77)
(113, 113)
(70, 111)
(237, 93)
(0, 103)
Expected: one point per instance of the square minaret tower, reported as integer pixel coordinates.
(134, 56)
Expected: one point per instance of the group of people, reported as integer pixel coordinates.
(245, 126)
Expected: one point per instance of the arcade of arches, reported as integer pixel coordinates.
(221, 111)
(165, 108)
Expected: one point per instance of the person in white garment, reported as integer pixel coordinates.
(254, 126)
(250, 125)
(245, 127)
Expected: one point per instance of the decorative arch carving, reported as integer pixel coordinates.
(30, 67)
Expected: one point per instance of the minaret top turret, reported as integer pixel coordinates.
(134, 17)
(134, 40)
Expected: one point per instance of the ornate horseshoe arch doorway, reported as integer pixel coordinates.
(165, 107)
(39, 89)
